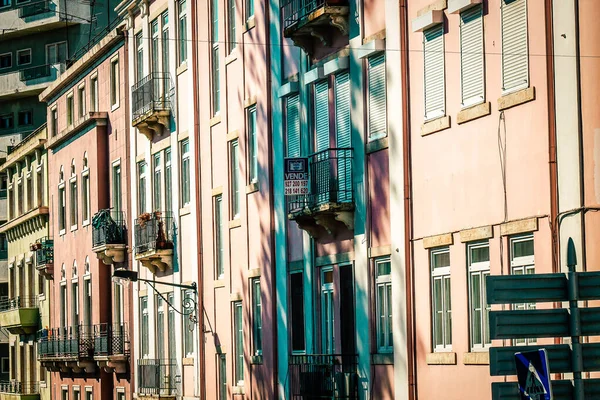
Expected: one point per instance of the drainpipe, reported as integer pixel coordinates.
(197, 165)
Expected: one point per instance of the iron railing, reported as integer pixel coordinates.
(152, 93)
(153, 231)
(158, 377)
(108, 227)
(83, 341)
(18, 302)
(16, 387)
(296, 10)
(25, 139)
(3, 252)
(41, 71)
(330, 180)
(323, 376)
(110, 340)
(38, 7)
(44, 251)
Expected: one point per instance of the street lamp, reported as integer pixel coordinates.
(188, 305)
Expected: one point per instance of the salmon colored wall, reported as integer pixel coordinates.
(379, 198)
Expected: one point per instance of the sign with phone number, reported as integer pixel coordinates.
(295, 176)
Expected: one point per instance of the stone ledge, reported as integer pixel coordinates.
(218, 283)
(380, 251)
(516, 98)
(254, 273)
(446, 358)
(217, 190)
(470, 235)
(520, 226)
(382, 359)
(236, 296)
(377, 144)
(474, 112)
(215, 120)
(476, 358)
(251, 188)
(445, 239)
(234, 134)
(436, 5)
(188, 361)
(435, 125)
(235, 223)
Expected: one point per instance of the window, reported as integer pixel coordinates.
(231, 25)
(56, 53)
(54, 121)
(114, 83)
(515, 57)
(70, 106)
(24, 57)
(434, 81)
(116, 189)
(215, 84)
(256, 317)
(144, 331)
(234, 169)
(219, 245)
(75, 305)
(238, 334)
(165, 41)
(160, 327)
(6, 121)
(154, 46)
(297, 311)
(327, 312)
(142, 186)
(249, 9)
(342, 114)
(65, 394)
(118, 309)
(120, 396)
(292, 122)
(5, 60)
(25, 117)
(89, 395)
(87, 298)
(222, 360)
(61, 207)
(185, 172)
(441, 303)
(478, 258)
(156, 188)
(94, 94)
(40, 185)
(76, 394)
(471, 56)
(85, 196)
(383, 270)
(171, 341)
(5, 3)
(377, 96)
(81, 98)
(321, 103)
(73, 201)
(29, 192)
(182, 31)
(252, 145)
(189, 326)
(522, 262)
(63, 301)
(168, 184)
(139, 57)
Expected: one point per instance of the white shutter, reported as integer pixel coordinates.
(342, 110)
(515, 71)
(471, 56)
(377, 96)
(433, 46)
(293, 125)
(322, 115)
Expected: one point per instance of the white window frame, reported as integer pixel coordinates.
(257, 326)
(520, 266)
(23, 51)
(186, 186)
(473, 101)
(182, 15)
(144, 312)
(115, 83)
(440, 113)
(55, 45)
(157, 179)
(81, 103)
(384, 327)
(482, 269)
(70, 109)
(94, 91)
(238, 353)
(440, 273)
(11, 60)
(527, 84)
(327, 295)
(86, 206)
(73, 205)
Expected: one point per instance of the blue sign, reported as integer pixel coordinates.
(533, 373)
(295, 175)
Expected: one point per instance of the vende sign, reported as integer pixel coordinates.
(295, 175)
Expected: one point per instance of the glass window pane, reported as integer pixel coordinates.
(480, 254)
(384, 268)
(441, 259)
(448, 313)
(522, 248)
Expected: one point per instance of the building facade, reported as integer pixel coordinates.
(88, 344)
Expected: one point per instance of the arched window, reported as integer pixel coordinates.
(63, 272)
(74, 270)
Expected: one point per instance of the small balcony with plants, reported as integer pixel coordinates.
(17, 390)
(158, 378)
(328, 208)
(154, 240)
(109, 236)
(306, 21)
(151, 104)
(20, 315)
(323, 376)
(44, 256)
(68, 349)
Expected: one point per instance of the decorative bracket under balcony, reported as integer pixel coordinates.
(113, 364)
(152, 124)
(111, 253)
(330, 219)
(156, 260)
(151, 103)
(86, 366)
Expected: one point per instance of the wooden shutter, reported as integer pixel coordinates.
(342, 110)
(471, 56)
(377, 96)
(515, 70)
(433, 46)
(321, 115)
(292, 122)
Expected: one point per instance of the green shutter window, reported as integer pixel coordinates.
(321, 115)
(342, 110)
(377, 96)
(292, 122)
(515, 70)
(433, 47)
(471, 56)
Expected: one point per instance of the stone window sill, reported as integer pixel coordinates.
(445, 358)
(516, 98)
(435, 125)
(473, 112)
(476, 358)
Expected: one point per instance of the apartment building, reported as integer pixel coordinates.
(164, 219)
(25, 305)
(87, 346)
(236, 163)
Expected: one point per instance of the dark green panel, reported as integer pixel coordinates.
(561, 390)
(590, 320)
(516, 324)
(591, 357)
(502, 359)
(589, 285)
(591, 388)
(503, 289)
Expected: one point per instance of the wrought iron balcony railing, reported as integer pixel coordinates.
(35, 8)
(108, 227)
(152, 93)
(330, 180)
(153, 231)
(323, 376)
(44, 251)
(41, 71)
(296, 10)
(158, 377)
(17, 303)
(17, 387)
(83, 341)
(110, 340)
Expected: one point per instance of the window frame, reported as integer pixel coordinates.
(73, 203)
(142, 201)
(384, 305)
(85, 196)
(186, 171)
(19, 63)
(115, 83)
(369, 60)
(94, 92)
(25, 112)
(524, 265)
(182, 51)
(81, 104)
(252, 124)
(482, 269)
(70, 109)
(528, 83)
(9, 117)
(144, 323)
(238, 342)
(157, 172)
(257, 342)
(235, 193)
(219, 237)
(438, 113)
(475, 100)
(10, 58)
(441, 274)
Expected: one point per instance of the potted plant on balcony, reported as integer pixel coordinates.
(144, 218)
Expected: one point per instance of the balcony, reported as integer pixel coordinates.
(29, 81)
(158, 378)
(307, 20)
(37, 8)
(323, 376)
(329, 206)
(111, 347)
(109, 236)
(154, 241)
(15, 390)
(151, 104)
(19, 315)
(44, 256)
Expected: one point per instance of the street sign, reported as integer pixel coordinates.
(515, 324)
(533, 373)
(295, 175)
(505, 289)
(502, 359)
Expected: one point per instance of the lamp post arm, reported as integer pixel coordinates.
(188, 305)
(177, 285)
